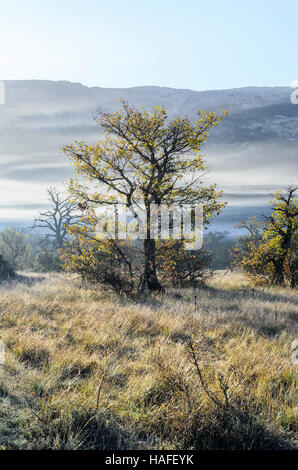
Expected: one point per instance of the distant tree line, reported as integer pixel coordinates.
(268, 253)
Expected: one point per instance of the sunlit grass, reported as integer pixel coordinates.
(88, 369)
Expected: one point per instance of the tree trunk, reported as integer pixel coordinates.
(293, 276)
(150, 279)
(279, 277)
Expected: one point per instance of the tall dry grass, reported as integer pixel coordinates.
(194, 369)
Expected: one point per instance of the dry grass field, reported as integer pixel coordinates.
(203, 369)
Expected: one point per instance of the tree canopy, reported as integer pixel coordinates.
(272, 253)
(145, 157)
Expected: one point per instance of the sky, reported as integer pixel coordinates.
(192, 44)
(188, 44)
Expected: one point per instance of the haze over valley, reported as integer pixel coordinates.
(252, 153)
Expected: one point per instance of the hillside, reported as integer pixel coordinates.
(250, 154)
(64, 106)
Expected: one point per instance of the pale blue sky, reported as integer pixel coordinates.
(192, 44)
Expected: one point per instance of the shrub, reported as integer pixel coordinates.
(47, 261)
(6, 272)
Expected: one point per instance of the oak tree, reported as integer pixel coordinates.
(55, 220)
(272, 254)
(145, 157)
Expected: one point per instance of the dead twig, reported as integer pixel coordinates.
(208, 392)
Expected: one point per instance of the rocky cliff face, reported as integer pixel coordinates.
(65, 104)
